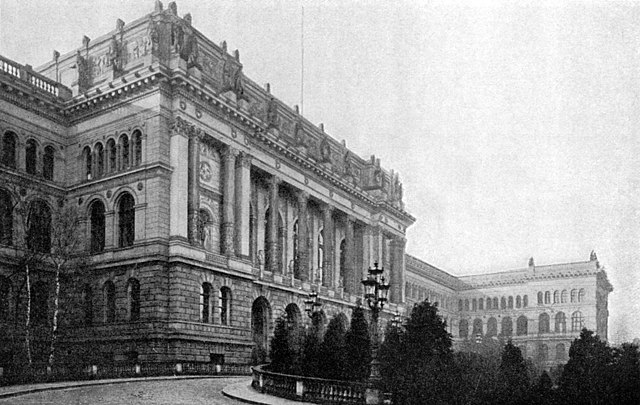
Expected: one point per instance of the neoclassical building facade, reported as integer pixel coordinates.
(208, 208)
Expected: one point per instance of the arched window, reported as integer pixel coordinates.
(39, 227)
(577, 321)
(5, 292)
(460, 305)
(503, 303)
(563, 297)
(481, 304)
(6, 218)
(561, 352)
(525, 301)
(39, 302)
(495, 303)
(123, 145)
(474, 304)
(137, 147)
(205, 303)
(540, 299)
(488, 303)
(225, 305)
(282, 261)
(556, 297)
(320, 249)
(9, 149)
(109, 295)
(477, 327)
(574, 295)
(510, 304)
(507, 326)
(543, 352)
(522, 325)
(466, 305)
(99, 151)
(581, 295)
(543, 323)
(126, 220)
(112, 156)
(252, 232)
(31, 157)
(547, 297)
(296, 251)
(204, 229)
(561, 322)
(343, 257)
(48, 162)
(97, 226)
(518, 301)
(464, 329)
(87, 303)
(133, 296)
(492, 327)
(88, 162)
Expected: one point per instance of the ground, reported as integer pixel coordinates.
(169, 392)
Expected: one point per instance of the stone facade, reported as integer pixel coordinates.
(208, 206)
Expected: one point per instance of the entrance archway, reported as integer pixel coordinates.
(260, 321)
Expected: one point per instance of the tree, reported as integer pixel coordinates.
(625, 375)
(542, 391)
(311, 355)
(333, 350)
(513, 378)
(282, 355)
(390, 356)
(358, 347)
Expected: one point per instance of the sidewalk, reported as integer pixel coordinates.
(242, 391)
(15, 390)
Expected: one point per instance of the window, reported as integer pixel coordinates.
(477, 327)
(31, 157)
(87, 303)
(5, 291)
(488, 303)
(9, 149)
(39, 302)
(343, 257)
(503, 303)
(561, 322)
(543, 323)
(563, 297)
(460, 305)
(466, 305)
(474, 304)
(577, 321)
(522, 325)
(109, 293)
(540, 299)
(133, 295)
(547, 297)
(126, 220)
(518, 302)
(99, 151)
(321, 250)
(561, 352)
(6, 218)
(464, 329)
(48, 162)
(296, 247)
(574, 295)
(280, 246)
(492, 327)
(225, 306)
(556, 297)
(97, 224)
(510, 303)
(88, 164)
(480, 304)
(205, 302)
(495, 303)
(137, 147)
(123, 145)
(507, 326)
(581, 295)
(39, 227)
(112, 156)
(525, 301)
(543, 352)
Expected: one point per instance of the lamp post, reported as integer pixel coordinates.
(311, 305)
(396, 321)
(375, 292)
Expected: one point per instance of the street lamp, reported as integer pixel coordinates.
(311, 305)
(375, 292)
(396, 321)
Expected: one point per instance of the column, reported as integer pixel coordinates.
(328, 278)
(228, 200)
(193, 194)
(349, 271)
(367, 257)
(271, 244)
(397, 270)
(243, 197)
(303, 236)
(376, 245)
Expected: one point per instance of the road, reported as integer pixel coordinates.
(169, 392)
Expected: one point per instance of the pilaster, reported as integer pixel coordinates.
(271, 244)
(303, 236)
(242, 204)
(328, 276)
(228, 200)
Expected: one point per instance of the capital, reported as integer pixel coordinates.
(303, 197)
(244, 160)
(230, 153)
(327, 209)
(274, 182)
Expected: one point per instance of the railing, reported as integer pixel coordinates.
(309, 389)
(27, 75)
(41, 373)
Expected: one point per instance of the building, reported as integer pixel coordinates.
(542, 309)
(209, 207)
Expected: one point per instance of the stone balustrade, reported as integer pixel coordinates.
(26, 74)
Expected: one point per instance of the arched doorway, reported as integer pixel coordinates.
(260, 321)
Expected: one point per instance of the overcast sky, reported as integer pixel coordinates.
(514, 126)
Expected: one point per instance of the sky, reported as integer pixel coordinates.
(513, 125)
